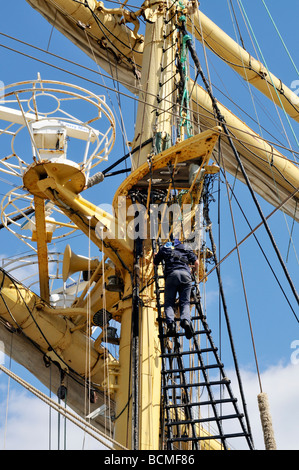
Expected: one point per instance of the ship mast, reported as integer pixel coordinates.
(87, 23)
(156, 81)
(152, 120)
(162, 141)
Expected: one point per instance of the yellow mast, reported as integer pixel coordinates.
(65, 334)
(69, 16)
(77, 21)
(147, 124)
(156, 88)
(61, 181)
(149, 373)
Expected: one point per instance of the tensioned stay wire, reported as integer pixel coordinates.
(280, 36)
(8, 394)
(88, 340)
(109, 88)
(121, 123)
(261, 133)
(241, 271)
(80, 422)
(269, 74)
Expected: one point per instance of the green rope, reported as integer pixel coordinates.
(281, 38)
(185, 120)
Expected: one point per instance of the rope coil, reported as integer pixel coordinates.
(266, 421)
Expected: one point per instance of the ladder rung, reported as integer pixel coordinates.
(205, 420)
(197, 317)
(207, 437)
(175, 379)
(199, 384)
(202, 332)
(194, 351)
(203, 403)
(191, 369)
(198, 332)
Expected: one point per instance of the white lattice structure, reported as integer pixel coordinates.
(49, 112)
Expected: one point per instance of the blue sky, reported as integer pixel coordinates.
(275, 328)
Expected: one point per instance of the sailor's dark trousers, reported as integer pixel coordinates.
(179, 281)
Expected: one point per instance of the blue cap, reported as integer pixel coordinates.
(176, 242)
(168, 244)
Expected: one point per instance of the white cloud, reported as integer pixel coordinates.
(281, 384)
(28, 418)
(28, 426)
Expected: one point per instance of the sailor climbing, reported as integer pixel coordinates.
(177, 258)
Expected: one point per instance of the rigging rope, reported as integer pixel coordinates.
(246, 237)
(260, 127)
(109, 88)
(235, 17)
(185, 98)
(269, 74)
(101, 26)
(237, 156)
(121, 123)
(88, 336)
(280, 36)
(80, 422)
(241, 273)
(209, 229)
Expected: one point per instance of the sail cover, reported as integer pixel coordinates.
(104, 37)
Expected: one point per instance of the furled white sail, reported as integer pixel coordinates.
(103, 34)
